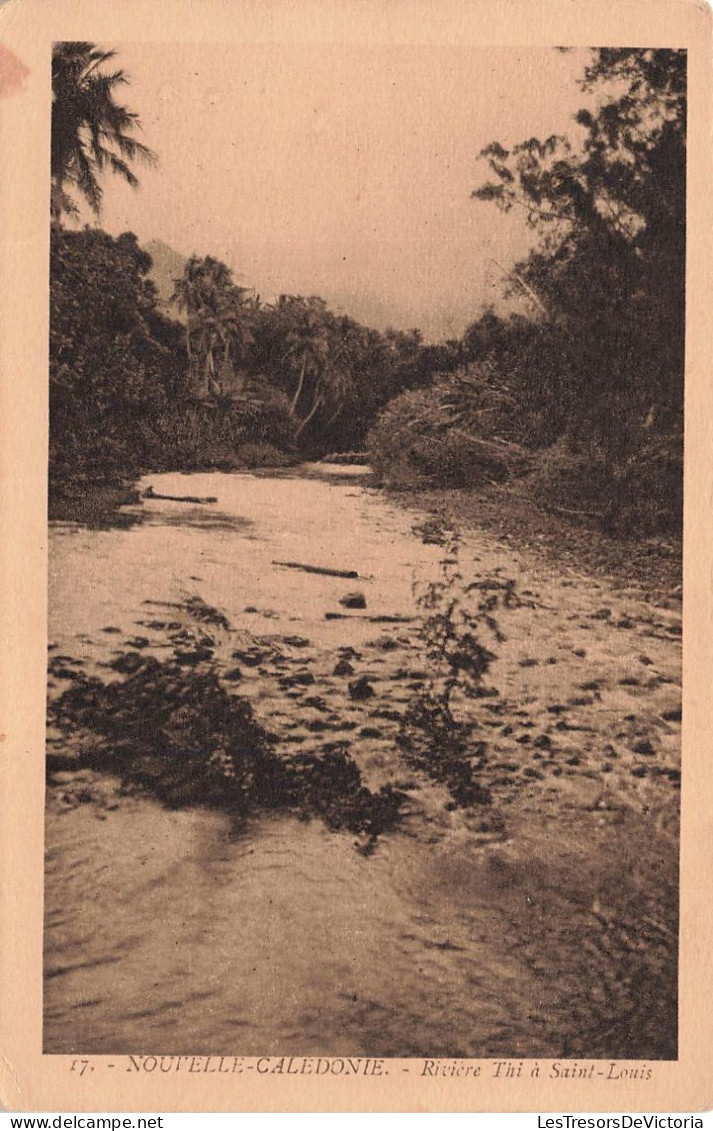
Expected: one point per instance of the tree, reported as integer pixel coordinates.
(298, 347)
(609, 266)
(113, 356)
(91, 131)
(610, 212)
(217, 316)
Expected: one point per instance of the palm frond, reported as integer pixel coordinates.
(91, 131)
(86, 180)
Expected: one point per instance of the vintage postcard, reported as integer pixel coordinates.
(355, 388)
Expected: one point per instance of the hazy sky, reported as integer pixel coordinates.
(342, 171)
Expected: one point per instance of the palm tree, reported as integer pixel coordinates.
(216, 315)
(189, 291)
(304, 344)
(90, 130)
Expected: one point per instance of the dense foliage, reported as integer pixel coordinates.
(121, 397)
(595, 376)
(239, 383)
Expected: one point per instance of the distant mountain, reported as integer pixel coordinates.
(168, 264)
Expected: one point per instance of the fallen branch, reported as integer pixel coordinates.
(494, 446)
(149, 493)
(386, 618)
(351, 573)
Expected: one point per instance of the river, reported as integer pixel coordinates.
(542, 926)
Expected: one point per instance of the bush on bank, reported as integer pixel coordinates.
(457, 433)
(476, 427)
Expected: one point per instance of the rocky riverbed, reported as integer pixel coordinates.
(262, 837)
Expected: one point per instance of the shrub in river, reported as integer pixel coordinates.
(173, 727)
(201, 611)
(332, 788)
(175, 730)
(433, 736)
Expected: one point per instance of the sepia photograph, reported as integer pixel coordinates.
(364, 684)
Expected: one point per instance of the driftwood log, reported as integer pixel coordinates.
(351, 573)
(149, 493)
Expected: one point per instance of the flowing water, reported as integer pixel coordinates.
(186, 931)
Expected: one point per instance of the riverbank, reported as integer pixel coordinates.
(92, 504)
(567, 540)
(99, 504)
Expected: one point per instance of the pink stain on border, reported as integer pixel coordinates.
(13, 73)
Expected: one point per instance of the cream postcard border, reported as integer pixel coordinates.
(30, 1081)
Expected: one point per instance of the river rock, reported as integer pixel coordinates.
(353, 600)
(191, 659)
(296, 679)
(361, 688)
(385, 643)
(643, 747)
(128, 663)
(672, 713)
